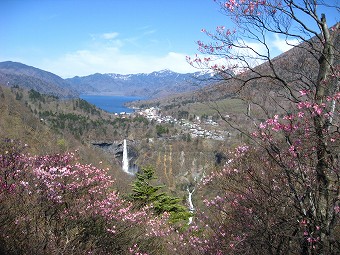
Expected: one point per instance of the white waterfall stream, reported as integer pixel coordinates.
(125, 163)
(191, 205)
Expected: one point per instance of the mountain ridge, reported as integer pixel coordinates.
(29, 77)
(150, 85)
(254, 82)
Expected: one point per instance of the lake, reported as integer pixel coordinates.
(112, 104)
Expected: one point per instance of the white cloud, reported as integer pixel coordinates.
(252, 54)
(283, 44)
(108, 53)
(113, 60)
(109, 36)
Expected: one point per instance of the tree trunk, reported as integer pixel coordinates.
(324, 210)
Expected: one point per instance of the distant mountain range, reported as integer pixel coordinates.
(152, 85)
(17, 74)
(297, 66)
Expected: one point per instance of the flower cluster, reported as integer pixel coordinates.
(55, 194)
(135, 250)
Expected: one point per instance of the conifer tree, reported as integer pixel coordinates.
(144, 192)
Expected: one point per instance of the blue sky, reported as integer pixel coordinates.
(82, 37)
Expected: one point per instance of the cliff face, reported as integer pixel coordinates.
(115, 149)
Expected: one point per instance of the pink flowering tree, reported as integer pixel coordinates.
(282, 194)
(53, 205)
(267, 196)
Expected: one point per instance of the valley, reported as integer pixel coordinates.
(76, 123)
(154, 138)
(238, 159)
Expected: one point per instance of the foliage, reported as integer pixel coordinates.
(35, 95)
(253, 200)
(86, 107)
(280, 193)
(183, 115)
(53, 205)
(144, 193)
(160, 130)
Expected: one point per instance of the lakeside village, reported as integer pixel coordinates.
(205, 129)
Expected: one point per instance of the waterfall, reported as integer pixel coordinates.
(191, 205)
(125, 163)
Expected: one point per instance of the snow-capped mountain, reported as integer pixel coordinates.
(152, 85)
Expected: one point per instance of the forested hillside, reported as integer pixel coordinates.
(18, 74)
(70, 134)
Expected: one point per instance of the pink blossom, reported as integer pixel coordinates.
(292, 150)
(337, 209)
(262, 126)
(303, 92)
(301, 114)
(317, 109)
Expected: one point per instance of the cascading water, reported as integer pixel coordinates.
(125, 163)
(191, 205)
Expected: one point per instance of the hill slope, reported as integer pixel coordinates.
(24, 76)
(296, 67)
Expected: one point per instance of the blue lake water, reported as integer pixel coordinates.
(113, 104)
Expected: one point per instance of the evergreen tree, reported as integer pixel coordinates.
(144, 192)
